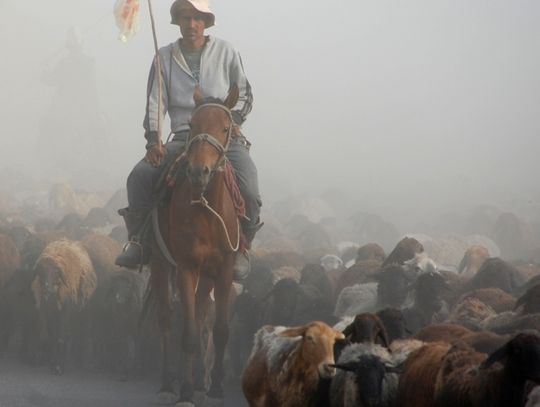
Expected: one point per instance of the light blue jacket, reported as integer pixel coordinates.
(221, 67)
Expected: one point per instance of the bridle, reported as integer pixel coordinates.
(220, 163)
(208, 138)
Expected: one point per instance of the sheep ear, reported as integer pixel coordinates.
(496, 356)
(348, 331)
(382, 335)
(521, 300)
(463, 263)
(232, 98)
(340, 336)
(295, 331)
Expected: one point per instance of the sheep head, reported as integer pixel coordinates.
(520, 357)
(317, 346)
(369, 371)
(367, 328)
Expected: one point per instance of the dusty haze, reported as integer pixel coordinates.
(412, 109)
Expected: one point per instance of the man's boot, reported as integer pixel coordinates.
(137, 251)
(242, 264)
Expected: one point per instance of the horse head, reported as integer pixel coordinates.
(211, 131)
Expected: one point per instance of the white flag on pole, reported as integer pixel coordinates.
(126, 13)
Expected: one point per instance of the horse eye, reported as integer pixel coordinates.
(226, 130)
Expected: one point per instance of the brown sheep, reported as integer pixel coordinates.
(417, 385)
(404, 250)
(63, 285)
(359, 273)
(471, 312)
(530, 301)
(485, 341)
(102, 251)
(367, 328)
(466, 378)
(495, 298)
(370, 251)
(10, 259)
(442, 332)
(495, 273)
(287, 364)
(472, 260)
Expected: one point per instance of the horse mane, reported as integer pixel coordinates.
(211, 99)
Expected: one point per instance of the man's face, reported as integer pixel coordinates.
(192, 25)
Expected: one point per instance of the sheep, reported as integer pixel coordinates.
(116, 307)
(495, 273)
(420, 263)
(417, 382)
(442, 332)
(466, 378)
(394, 323)
(370, 251)
(393, 286)
(404, 250)
(356, 299)
(359, 273)
(63, 285)
(471, 313)
(331, 262)
(102, 251)
(472, 260)
(367, 328)
(530, 301)
(427, 301)
(366, 376)
(287, 364)
(533, 399)
(484, 341)
(293, 303)
(495, 298)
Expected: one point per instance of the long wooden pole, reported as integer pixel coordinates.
(157, 62)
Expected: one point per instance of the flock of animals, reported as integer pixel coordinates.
(381, 320)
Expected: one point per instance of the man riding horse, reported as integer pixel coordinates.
(214, 66)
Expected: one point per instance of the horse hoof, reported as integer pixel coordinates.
(184, 404)
(166, 398)
(199, 397)
(212, 402)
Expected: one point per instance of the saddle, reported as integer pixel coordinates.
(175, 172)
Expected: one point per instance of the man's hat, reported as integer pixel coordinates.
(200, 5)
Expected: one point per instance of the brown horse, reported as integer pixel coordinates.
(200, 228)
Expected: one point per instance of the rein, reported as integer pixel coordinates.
(222, 150)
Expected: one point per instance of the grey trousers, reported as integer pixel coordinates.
(143, 177)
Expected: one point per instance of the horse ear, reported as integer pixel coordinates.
(232, 98)
(198, 96)
(295, 331)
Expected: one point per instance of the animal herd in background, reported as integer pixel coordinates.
(316, 323)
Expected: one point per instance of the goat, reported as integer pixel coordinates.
(286, 365)
(404, 250)
(472, 260)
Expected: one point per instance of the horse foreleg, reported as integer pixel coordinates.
(202, 303)
(187, 283)
(161, 291)
(222, 291)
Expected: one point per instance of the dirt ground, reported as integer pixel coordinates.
(27, 386)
